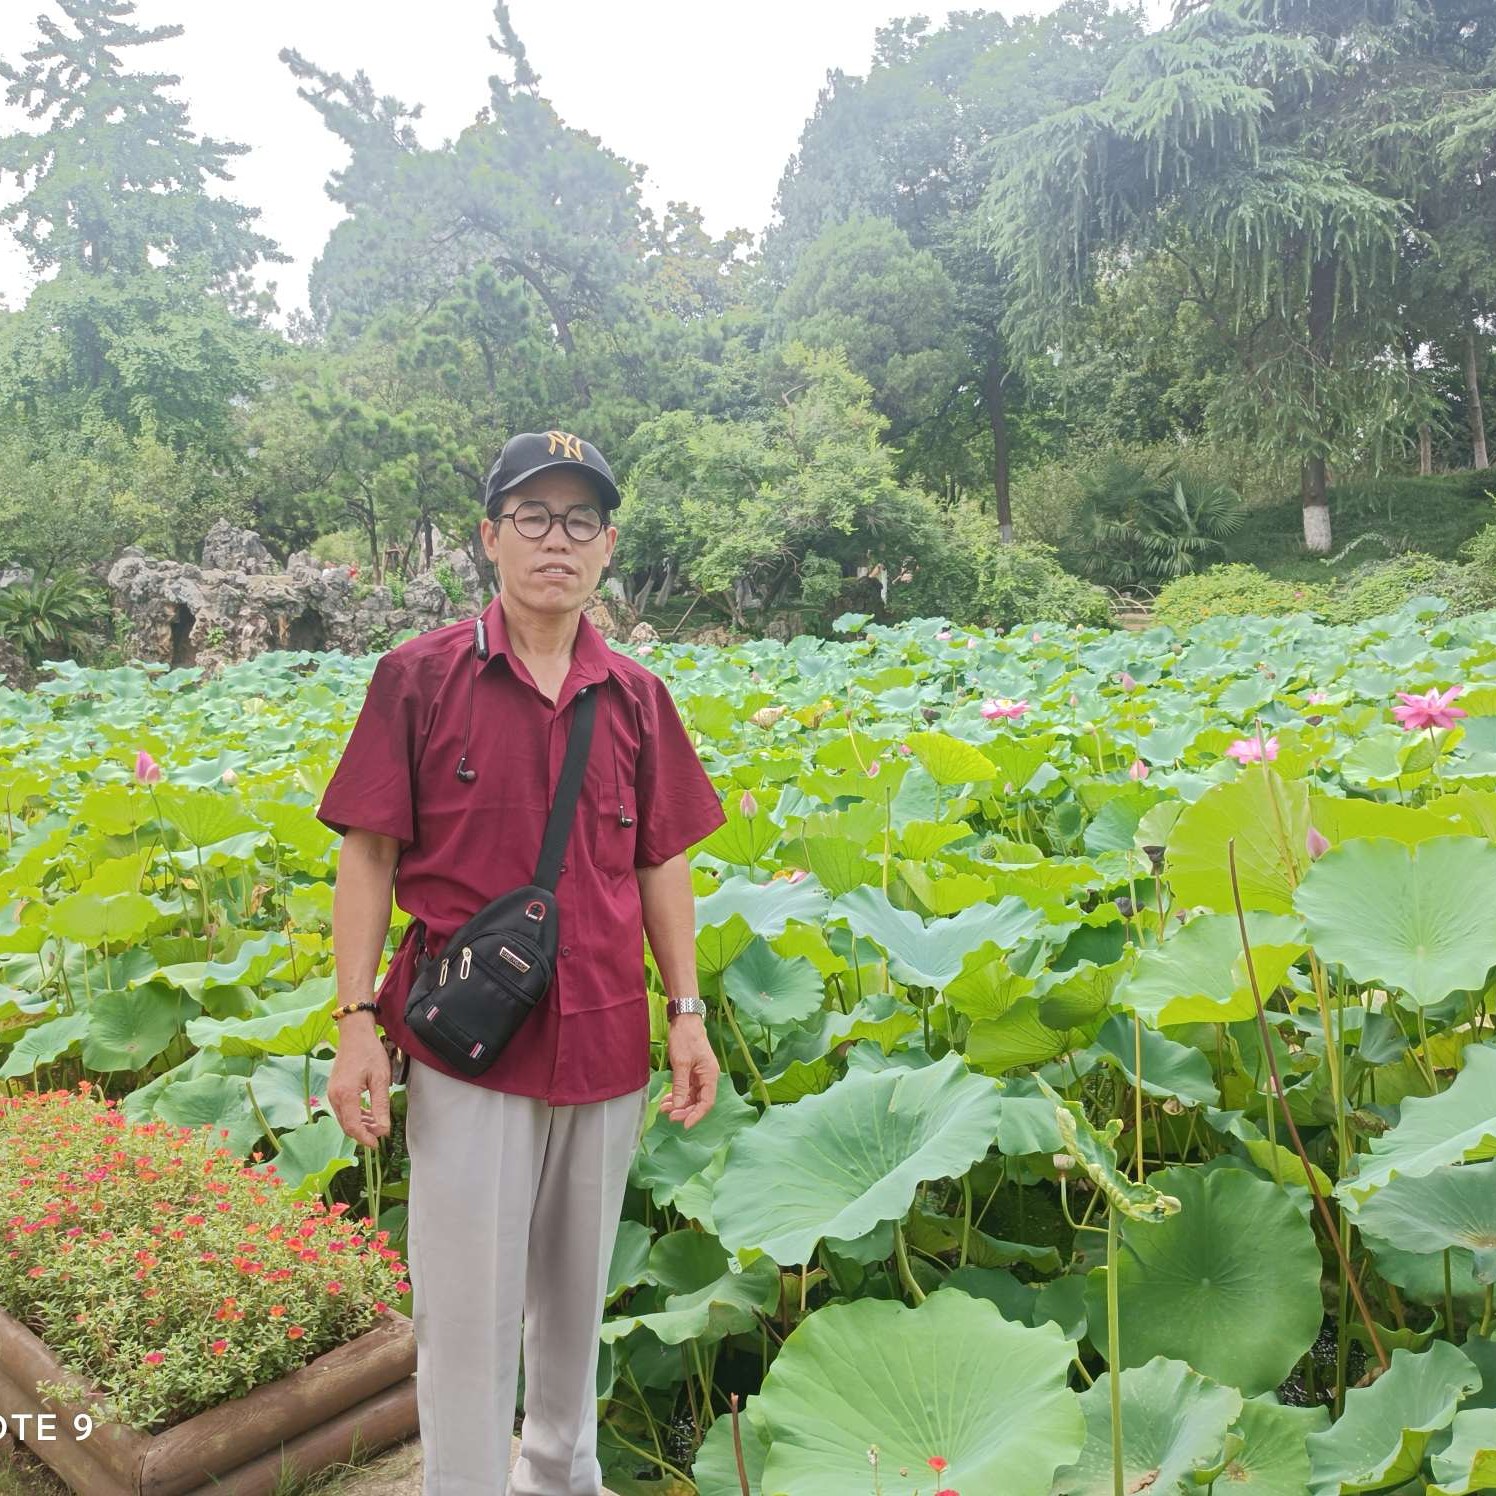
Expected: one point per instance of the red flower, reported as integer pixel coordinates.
(937, 1463)
(219, 1347)
(335, 1287)
(153, 1358)
(295, 1333)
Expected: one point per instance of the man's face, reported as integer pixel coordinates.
(554, 573)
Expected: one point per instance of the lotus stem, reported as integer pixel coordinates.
(1428, 1059)
(653, 1459)
(965, 1217)
(1114, 1349)
(1448, 1297)
(1293, 1130)
(249, 1091)
(1137, 1089)
(737, 1034)
(737, 1447)
(1485, 1315)
(901, 1256)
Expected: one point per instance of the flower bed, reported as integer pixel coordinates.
(150, 1280)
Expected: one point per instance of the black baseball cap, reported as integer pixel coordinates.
(532, 452)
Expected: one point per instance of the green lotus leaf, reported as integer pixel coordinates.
(127, 1030)
(669, 1155)
(1452, 1207)
(766, 908)
(986, 985)
(1015, 1038)
(1420, 1275)
(205, 816)
(278, 1085)
(1096, 1153)
(1339, 819)
(839, 863)
(718, 946)
(310, 1156)
(92, 920)
(716, 1469)
(1380, 1439)
(935, 1233)
(921, 840)
(708, 1299)
(742, 840)
(951, 1379)
(44, 1042)
(1169, 1069)
(629, 1263)
(297, 827)
(1271, 1459)
(1422, 918)
(290, 1031)
(1229, 1284)
(1269, 820)
(949, 761)
(838, 1163)
(1468, 1462)
(1456, 1126)
(217, 1101)
(931, 955)
(1174, 1424)
(771, 989)
(1199, 975)
(116, 875)
(114, 809)
(1072, 999)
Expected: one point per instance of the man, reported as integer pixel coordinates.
(518, 1173)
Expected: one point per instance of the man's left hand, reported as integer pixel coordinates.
(694, 1068)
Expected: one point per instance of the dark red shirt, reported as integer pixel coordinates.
(463, 844)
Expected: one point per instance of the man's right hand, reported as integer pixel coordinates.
(361, 1065)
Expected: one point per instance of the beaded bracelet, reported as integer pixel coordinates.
(355, 1008)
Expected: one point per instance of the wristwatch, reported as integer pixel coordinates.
(676, 1005)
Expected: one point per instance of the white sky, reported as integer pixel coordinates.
(709, 96)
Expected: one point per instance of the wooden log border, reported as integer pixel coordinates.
(309, 1416)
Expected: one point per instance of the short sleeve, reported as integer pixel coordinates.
(677, 804)
(373, 786)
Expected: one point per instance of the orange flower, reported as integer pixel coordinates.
(219, 1347)
(276, 1310)
(295, 1333)
(153, 1358)
(334, 1287)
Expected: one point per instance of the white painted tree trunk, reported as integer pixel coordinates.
(1317, 528)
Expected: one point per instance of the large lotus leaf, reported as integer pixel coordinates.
(986, 985)
(1468, 1463)
(205, 816)
(1073, 998)
(1452, 1207)
(1269, 820)
(310, 1155)
(952, 1379)
(1381, 1437)
(771, 989)
(930, 955)
(838, 1163)
(297, 827)
(1174, 1423)
(114, 809)
(715, 1471)
(1458, 1125)
(742, 839)
(1422, 918)
(945, 893)
(127, 1030)
(1014, 1039)
(283, 1082)
(43, 1043)
(629, 1264)
(291, 1031)
(949, 761)
(1229, 1283)
(1169, 1069)
(766, 908)
(839, 863)
(116, 875)
(217, 1101)
(1271, 1459)
(669, 1155)
(800, 1068)
(710, 1300)
(92, 920)
(1338, 819)
(1199, 974)
(718, 946)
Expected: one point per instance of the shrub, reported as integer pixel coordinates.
(39, 615)
(1233, 590)
(340, 548)
(450, 583)
(1019, 583)
(1384, 586)
(155, 1264)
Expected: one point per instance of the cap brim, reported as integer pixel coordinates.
(608, 490)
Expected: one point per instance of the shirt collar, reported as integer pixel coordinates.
(592, 661)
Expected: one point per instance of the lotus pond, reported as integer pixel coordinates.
(1109, 1093)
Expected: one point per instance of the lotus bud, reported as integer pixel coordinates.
(147, 770)
(874, 769)
(1317, 843)
(1063, 1163)
(904, 750)
(971, 643)
(1139, 769)
(747, 805)
(1126, 682)
(229, 777)
(766, 716)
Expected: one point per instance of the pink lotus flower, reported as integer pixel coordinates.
(971, 643)
(1127, 682)
(1139, 769)
(747, 805)
(1317, 843)
(1432, 709)
(1249, 750)
(797, 873)
(1036, 638)
(1000, 706)
(1317, 698)
(874, 769)
(943, 634)
(904, 750)
(147, 770)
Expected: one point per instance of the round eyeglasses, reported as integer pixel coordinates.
(533, 520)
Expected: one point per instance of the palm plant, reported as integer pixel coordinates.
(39, 613)
(1138, 528)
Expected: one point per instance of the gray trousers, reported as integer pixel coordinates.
(514, 1208)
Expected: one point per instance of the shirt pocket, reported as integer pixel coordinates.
(613, 843)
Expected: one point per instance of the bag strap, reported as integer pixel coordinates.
(568, 787)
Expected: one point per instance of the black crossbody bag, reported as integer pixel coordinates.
(466, 1004)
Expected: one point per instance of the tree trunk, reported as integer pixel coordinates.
(667, 586)
(1425, 450)
(1472, 400)
(1316, 510)
(997, 418)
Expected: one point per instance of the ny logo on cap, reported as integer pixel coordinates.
(571, 446)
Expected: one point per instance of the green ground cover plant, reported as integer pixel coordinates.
(1106, 1019)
